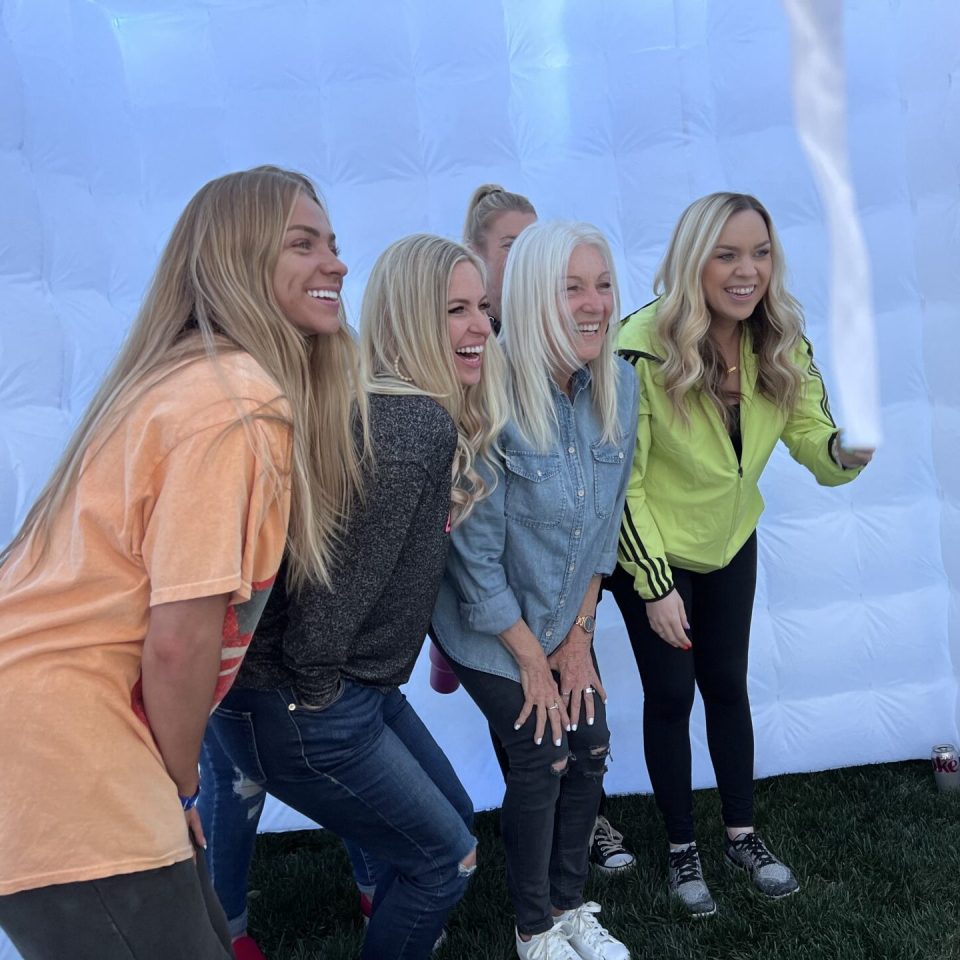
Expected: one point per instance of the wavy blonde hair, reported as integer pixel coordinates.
(489, 201)
(538, 329)
(692, 361)
(213, 294)
(405, 333)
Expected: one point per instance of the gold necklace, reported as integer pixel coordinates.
(733, 369)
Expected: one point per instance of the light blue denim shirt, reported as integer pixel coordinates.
(531, 548)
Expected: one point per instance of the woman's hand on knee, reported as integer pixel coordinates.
(541, 696)
(668, 620)
(579, 682)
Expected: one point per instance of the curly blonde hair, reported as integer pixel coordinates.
(692, 361)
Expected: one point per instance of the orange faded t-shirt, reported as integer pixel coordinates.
(179, 501)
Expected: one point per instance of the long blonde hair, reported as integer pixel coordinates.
(538, 328)
(692, 361)
(489, 201)
(212, 294)
(405, 349)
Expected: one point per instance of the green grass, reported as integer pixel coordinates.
(876, 849)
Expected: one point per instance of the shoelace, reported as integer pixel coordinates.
(755, 848)
(608, 838)
(687, 864)
(586, 924)
(554, 945)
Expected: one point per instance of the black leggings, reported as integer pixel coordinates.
(159, 914)
(719, 606)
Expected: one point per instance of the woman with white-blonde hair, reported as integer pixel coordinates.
(316, 717)
(724, 372)
(515, 613)
(128, 597)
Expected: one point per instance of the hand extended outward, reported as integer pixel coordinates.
(857, 457)
(579, 682)
(850, 457)
(668, 620)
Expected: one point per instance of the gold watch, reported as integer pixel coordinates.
(586, 624)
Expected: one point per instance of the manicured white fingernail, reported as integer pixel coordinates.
(516, 726)
(538, 742)
(590, 721)
(574, 727)
(569, 728)
(557, 743)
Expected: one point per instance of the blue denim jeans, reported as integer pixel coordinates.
(368, 769)
(230, 807)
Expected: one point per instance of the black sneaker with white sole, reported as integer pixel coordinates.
(607, 852)
(770, 876)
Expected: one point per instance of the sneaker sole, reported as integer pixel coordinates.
(612, 871)
(733, 865)
(693, 915)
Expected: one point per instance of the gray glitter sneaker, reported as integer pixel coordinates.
(769, 875)
(687, 884)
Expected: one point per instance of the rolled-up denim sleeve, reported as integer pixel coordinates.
(475, 564)
(629, 398)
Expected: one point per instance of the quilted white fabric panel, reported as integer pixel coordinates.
(113, 112)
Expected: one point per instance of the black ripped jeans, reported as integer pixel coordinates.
(548, 814)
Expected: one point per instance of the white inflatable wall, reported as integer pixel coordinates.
(113, 112)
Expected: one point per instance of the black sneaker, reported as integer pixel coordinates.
(687, 884)
(769, 875)
(607, 852)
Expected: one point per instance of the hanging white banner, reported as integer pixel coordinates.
(819, 91)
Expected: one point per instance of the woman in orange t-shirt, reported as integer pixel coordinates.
(130, 594)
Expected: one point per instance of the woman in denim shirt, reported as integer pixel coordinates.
(516, 606)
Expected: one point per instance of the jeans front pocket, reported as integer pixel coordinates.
(609, 462)
(534, 489)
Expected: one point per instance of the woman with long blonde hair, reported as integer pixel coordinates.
(128, 597)
(724, 372)
(316, 717)
(515, 613)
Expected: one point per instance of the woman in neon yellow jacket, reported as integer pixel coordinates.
(725, 372)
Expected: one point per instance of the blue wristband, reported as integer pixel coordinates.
(188, 803)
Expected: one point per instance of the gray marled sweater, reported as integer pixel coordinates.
(370, 626)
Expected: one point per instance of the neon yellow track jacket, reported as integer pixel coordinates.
(690, 502)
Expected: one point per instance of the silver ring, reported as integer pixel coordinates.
(554, 706)
(589, 690)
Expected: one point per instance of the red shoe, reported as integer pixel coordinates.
(366, 908)
(245, 948)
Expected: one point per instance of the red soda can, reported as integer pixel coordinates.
(946, 766)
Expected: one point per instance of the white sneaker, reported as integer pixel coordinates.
(589, 939)
(554, 944)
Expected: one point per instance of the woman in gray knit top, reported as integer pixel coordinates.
(316, 717)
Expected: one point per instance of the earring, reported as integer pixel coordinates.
(400, 375)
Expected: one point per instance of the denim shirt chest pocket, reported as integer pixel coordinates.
(534, 493)
(608, 461)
